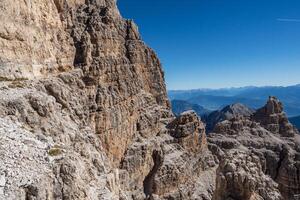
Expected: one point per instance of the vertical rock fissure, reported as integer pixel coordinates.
(31, 192)
(59, 5)
(127, 38)
(149, 187)
(281, 159)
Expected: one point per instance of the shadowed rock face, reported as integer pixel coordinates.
(149, 186)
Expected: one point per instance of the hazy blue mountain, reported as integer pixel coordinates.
(179, 106)
(295, 121)
(253, 97)
(187, 94)
(217, 102)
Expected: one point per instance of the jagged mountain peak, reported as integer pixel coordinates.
(273, 118)
(238, 109)
(179, 106)
(227, 113)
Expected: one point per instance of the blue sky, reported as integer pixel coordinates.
(221, 43)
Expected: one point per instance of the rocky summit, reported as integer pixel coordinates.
(84, 115)
(258, 155)
(226, 113)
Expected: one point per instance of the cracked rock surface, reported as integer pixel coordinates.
(257, 161)
(84, 110)
(84, 115)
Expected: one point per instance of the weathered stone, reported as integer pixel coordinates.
(240, 176)
(84, 114)
(84, 109)
(189, 131)
(33, 41)
(276, 151)
(272, 117)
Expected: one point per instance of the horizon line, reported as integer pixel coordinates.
(234, 87)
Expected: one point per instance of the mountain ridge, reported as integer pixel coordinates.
(180, 106)
(233, 88)
(227, 113)
(295, 121)
(253, 97)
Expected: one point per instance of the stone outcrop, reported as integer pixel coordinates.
(273, 154)
(189, 131)
(240, 176)
(272, 117)
(177, 157)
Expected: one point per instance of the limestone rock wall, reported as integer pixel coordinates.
(33, 41)
(83, 101)
(84, 115)
(123, 76)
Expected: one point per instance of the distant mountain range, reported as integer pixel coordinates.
(253, 97)
(179, 106)
(295, 121)
(211, 118)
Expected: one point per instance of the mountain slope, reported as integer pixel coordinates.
(227, 113)
(179, 106)
(295, 121)
(217, 102)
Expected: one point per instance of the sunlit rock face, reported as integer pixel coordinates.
(33, 40)
(84, 110)
(272, 117)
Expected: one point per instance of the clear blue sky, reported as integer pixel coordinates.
(221, 43)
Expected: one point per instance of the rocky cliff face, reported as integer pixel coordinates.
(33, 40)
(84, 109)
(84, 115)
